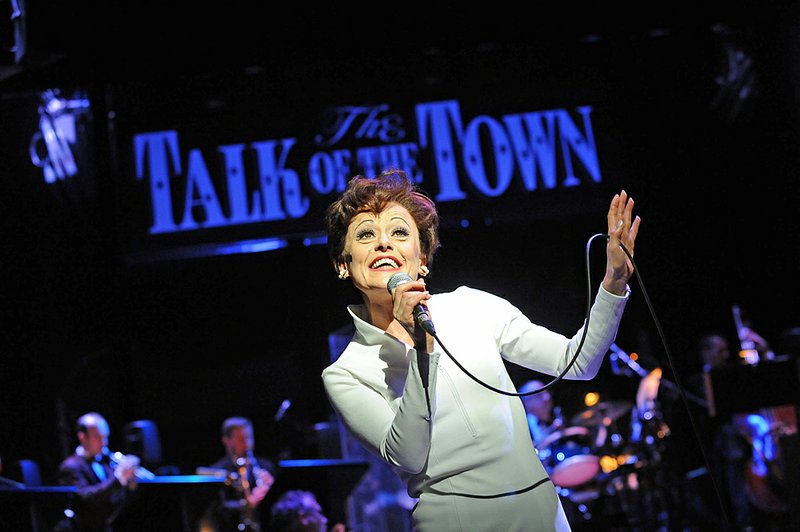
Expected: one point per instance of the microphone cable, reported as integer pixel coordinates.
(561, 375)
(667, 353)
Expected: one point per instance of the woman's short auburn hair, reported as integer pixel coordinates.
(365, 194)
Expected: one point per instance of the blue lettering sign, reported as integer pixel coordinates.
(501, 155)
(158, 149)
(533, 138)
(280, 186)
(435, 122)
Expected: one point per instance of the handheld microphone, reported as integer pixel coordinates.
(420, 314)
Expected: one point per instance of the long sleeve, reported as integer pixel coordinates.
(534, 347)
(106, 491)
(395, 428)
(95, 502)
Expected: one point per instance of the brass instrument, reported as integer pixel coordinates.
(239, 480)
(142, 473)
(248, 518)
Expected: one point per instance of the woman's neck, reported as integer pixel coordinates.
(381, 315)
(380, 309)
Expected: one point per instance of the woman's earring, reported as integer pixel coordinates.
(343, 274)
(423, 270)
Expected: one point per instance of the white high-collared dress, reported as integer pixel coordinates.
(472, 464)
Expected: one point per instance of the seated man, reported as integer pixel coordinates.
(239, 505)
(102, 487)
(540, 411)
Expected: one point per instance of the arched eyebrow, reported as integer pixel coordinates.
(362, 222)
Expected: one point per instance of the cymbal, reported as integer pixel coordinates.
(602, 413)
(648, 391)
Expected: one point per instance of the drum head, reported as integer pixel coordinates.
(568, 457)
(575, 470)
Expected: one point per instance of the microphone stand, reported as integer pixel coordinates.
(639, 370)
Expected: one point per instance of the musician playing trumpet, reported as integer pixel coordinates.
(239, 507)
(103, 484)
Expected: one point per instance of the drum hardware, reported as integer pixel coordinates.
(603, 413)
(606, 466)
(619, 464)
(612, 478)
(619, 354)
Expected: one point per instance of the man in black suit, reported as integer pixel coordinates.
(103, 487)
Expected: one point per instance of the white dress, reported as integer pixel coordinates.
(472, 464)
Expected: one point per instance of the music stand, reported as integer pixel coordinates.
(737, 388)
(46, 505)
(175, 502)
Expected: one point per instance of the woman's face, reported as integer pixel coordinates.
(381, 244)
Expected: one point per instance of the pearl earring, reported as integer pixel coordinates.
(423, 270)
(343, 274)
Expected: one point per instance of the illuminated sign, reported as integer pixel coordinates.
(51, 147)
(453, 157)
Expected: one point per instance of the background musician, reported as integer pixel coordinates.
(744, 446)
(239, 507)
(539, 409)
(103, 487)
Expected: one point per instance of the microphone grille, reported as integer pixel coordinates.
(396, 279)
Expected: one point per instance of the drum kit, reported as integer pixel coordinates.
(605, 463)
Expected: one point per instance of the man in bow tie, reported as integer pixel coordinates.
(102, 487)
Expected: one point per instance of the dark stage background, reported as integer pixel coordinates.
(713, 170)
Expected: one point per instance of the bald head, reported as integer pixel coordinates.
(93, 431)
